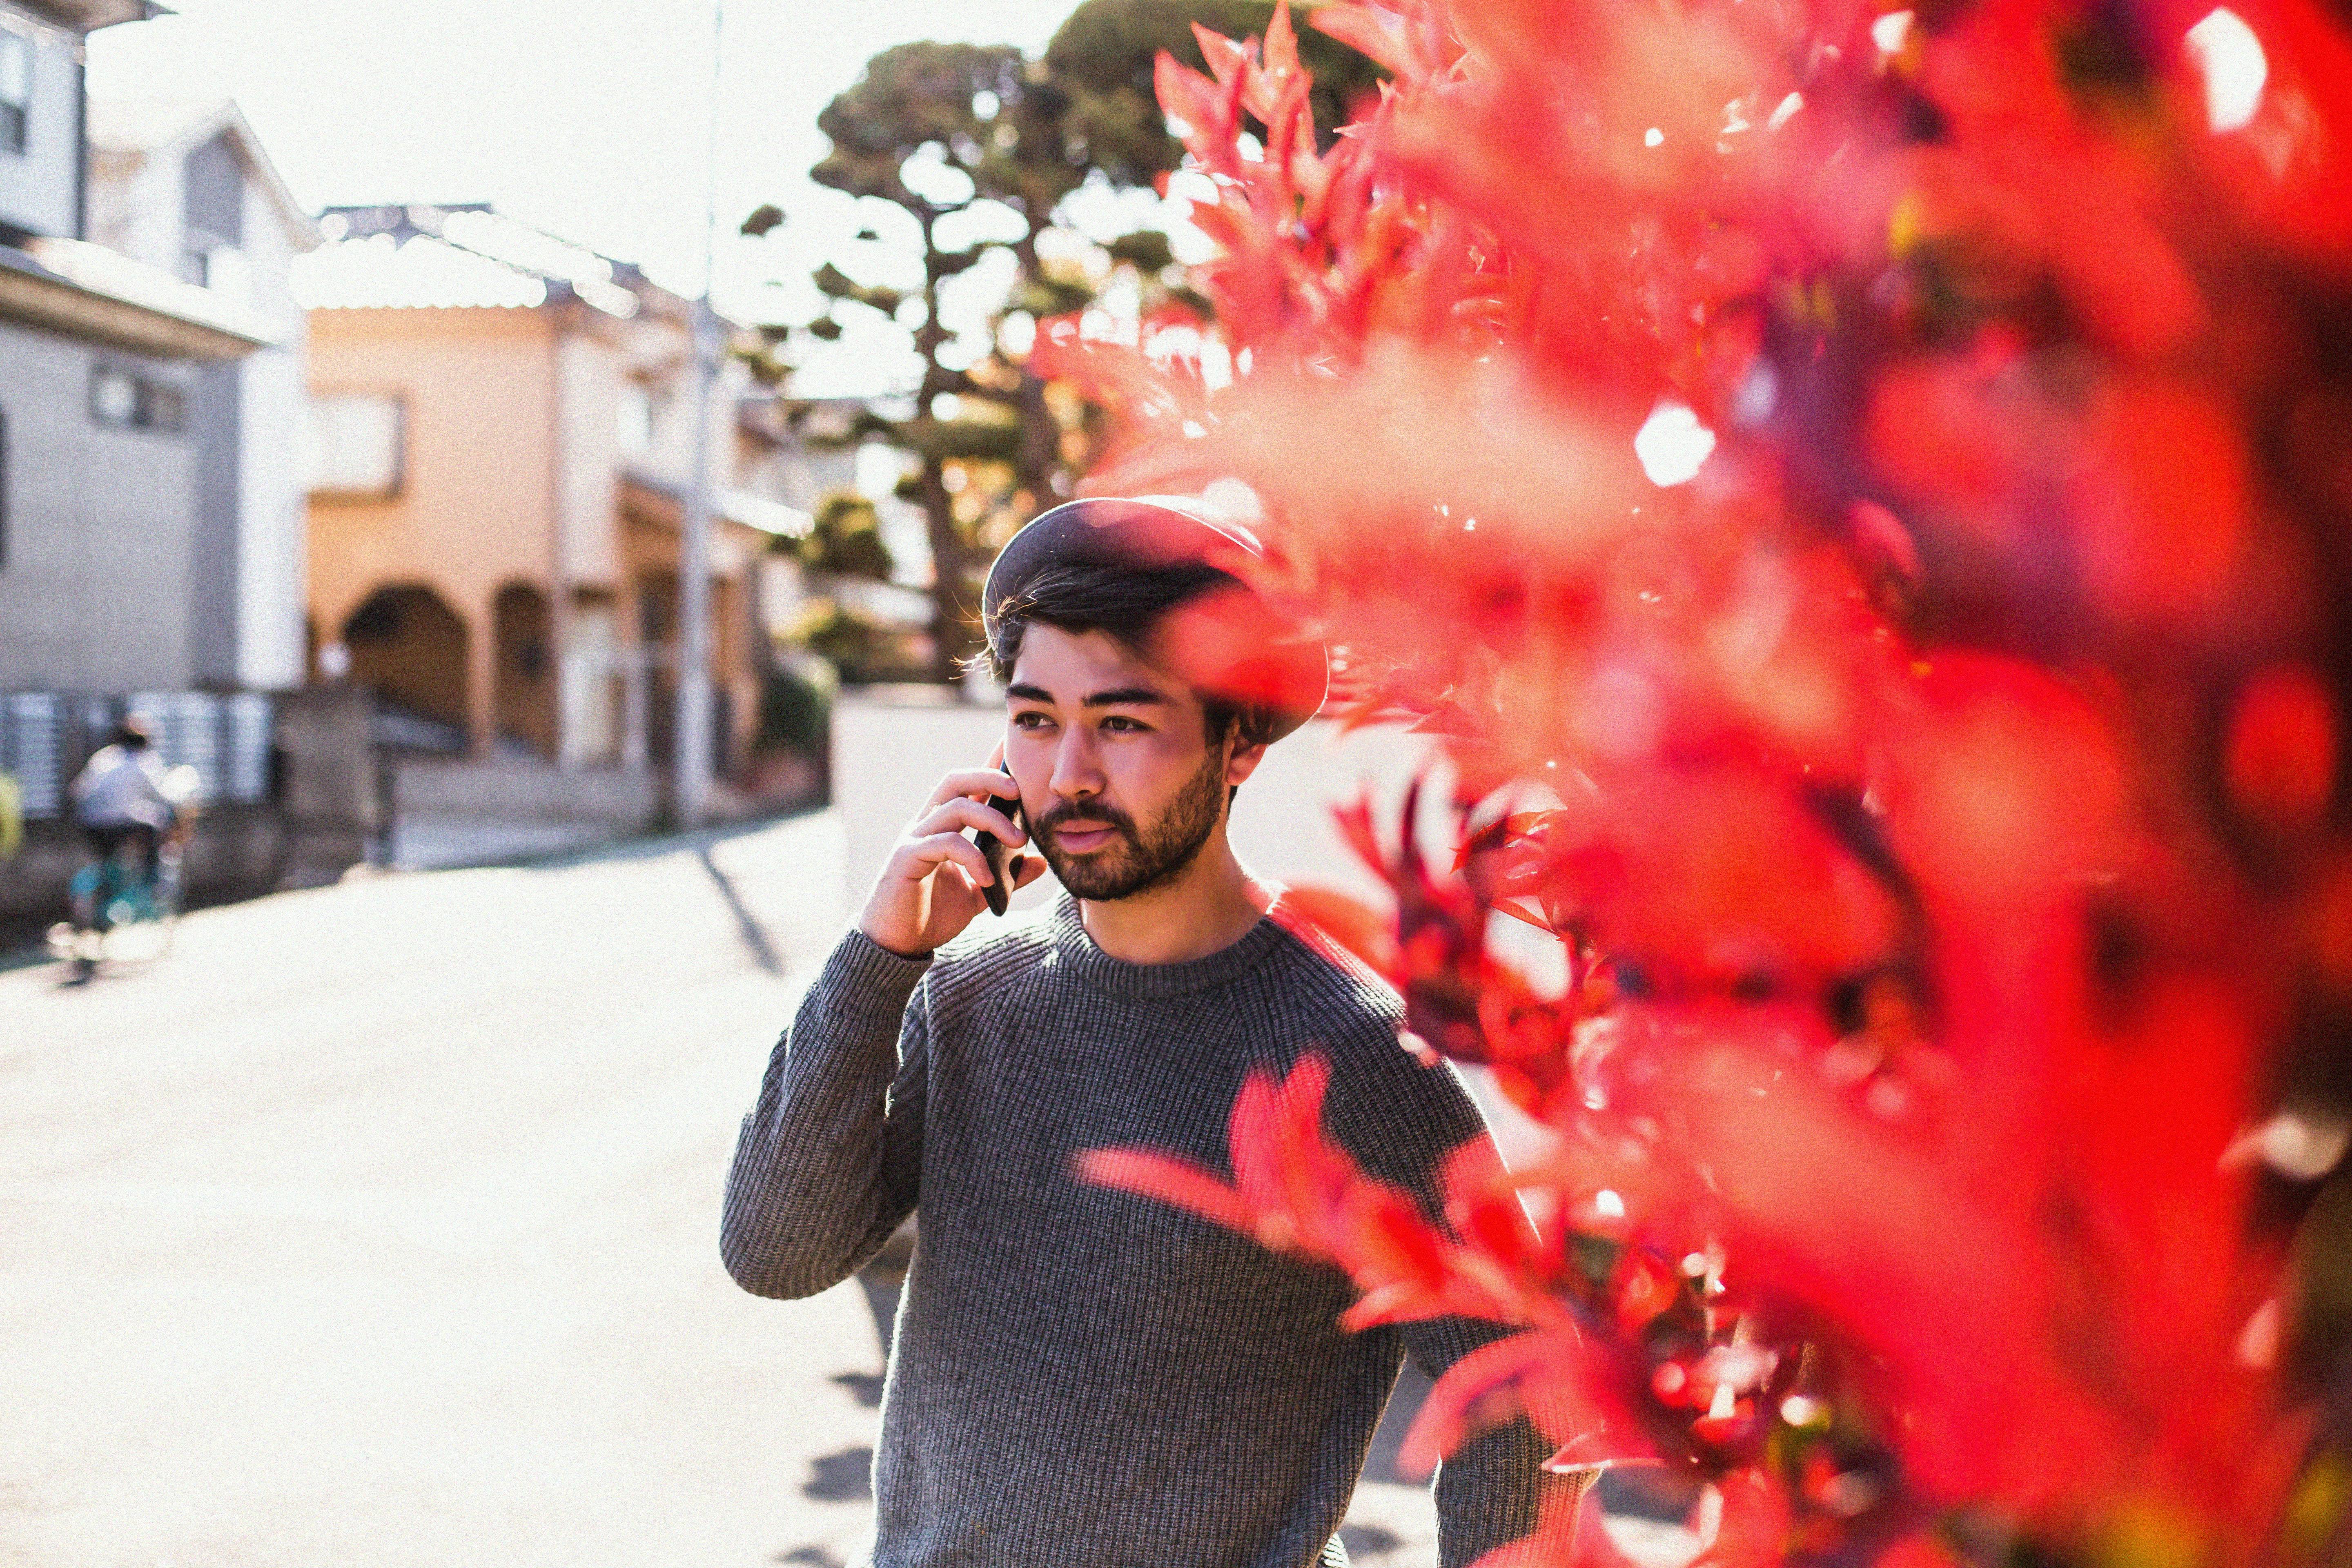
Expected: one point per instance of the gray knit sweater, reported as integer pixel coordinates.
(1081, 1377)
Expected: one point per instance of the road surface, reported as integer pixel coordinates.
(375, 1226)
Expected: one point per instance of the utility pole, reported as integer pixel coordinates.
(691, 736)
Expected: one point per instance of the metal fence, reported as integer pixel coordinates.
(45, 736)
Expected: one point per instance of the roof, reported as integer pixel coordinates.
(89, 15)
(141, 128)
(460, 257)
(90, 292)
(664, 501)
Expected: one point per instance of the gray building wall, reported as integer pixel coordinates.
(40, 188)
(215, 423)
(214, 209)
(94, 584)
(213, 205)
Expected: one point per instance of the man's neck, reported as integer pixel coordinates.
(1207, 909)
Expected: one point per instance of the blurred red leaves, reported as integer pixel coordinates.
(1922, 755)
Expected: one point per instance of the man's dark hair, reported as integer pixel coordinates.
(132, 733)
(1127, 605)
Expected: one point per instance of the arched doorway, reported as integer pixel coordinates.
(409, 647)
(524, 693)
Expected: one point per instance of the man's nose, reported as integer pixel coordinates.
(1077, 771)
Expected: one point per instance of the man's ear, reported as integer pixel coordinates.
(1242, 761)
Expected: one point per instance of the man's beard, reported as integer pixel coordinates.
(1139, 863)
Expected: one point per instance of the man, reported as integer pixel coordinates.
(121, 796)
(1080, 1377)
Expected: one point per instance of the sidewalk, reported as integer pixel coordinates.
(437, 841)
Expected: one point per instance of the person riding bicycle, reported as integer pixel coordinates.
(122, 796)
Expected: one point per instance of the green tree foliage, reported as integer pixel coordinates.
(846, 540)
(1102, 58)
(981, 146)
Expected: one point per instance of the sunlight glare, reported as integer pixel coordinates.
(2230, 58)
(1673, 445)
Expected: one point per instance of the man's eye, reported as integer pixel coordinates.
(1119, 724)
(1028, 721)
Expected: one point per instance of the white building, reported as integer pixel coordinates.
(100, 359)
(185, 187)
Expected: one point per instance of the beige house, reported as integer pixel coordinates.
(502, 449)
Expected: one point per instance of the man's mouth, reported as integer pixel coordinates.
(1078, 837)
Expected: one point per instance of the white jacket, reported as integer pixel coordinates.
(119, 787)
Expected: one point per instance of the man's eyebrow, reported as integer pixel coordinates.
(1116, 697)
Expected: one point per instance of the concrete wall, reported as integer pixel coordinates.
(324, 813)
(890, 748)
(93, 591)
(236, 851)
(41, 187)
(526, 791)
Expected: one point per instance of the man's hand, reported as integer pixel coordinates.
(930, 889)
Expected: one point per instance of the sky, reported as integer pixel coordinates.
(589, 119)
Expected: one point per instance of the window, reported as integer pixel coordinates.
(358, 445)
(223, 268)
(637, 412)
(123, 399)
(16, 91)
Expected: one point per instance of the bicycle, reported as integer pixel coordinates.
(124, 891)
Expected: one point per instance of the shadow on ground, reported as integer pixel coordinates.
(846, 1477)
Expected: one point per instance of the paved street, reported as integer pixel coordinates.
(375, 1226)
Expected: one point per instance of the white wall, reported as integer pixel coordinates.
(272, 517)
(137, 207)
(589, 373)
(38, 185)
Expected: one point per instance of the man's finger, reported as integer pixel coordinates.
(961, 812)
(974, 783)
(931, 852)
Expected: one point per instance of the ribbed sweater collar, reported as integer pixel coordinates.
(1141, 982)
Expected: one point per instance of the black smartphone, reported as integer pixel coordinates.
(998, 890)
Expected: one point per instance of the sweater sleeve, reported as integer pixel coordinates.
(1493, 1490)
(828, 1161)
(1402, 1122)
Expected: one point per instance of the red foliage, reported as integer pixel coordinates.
(1858, 496)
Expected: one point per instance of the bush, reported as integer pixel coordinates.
(797, 707)
(1881, 603)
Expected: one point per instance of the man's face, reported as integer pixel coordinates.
(1120, 784)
